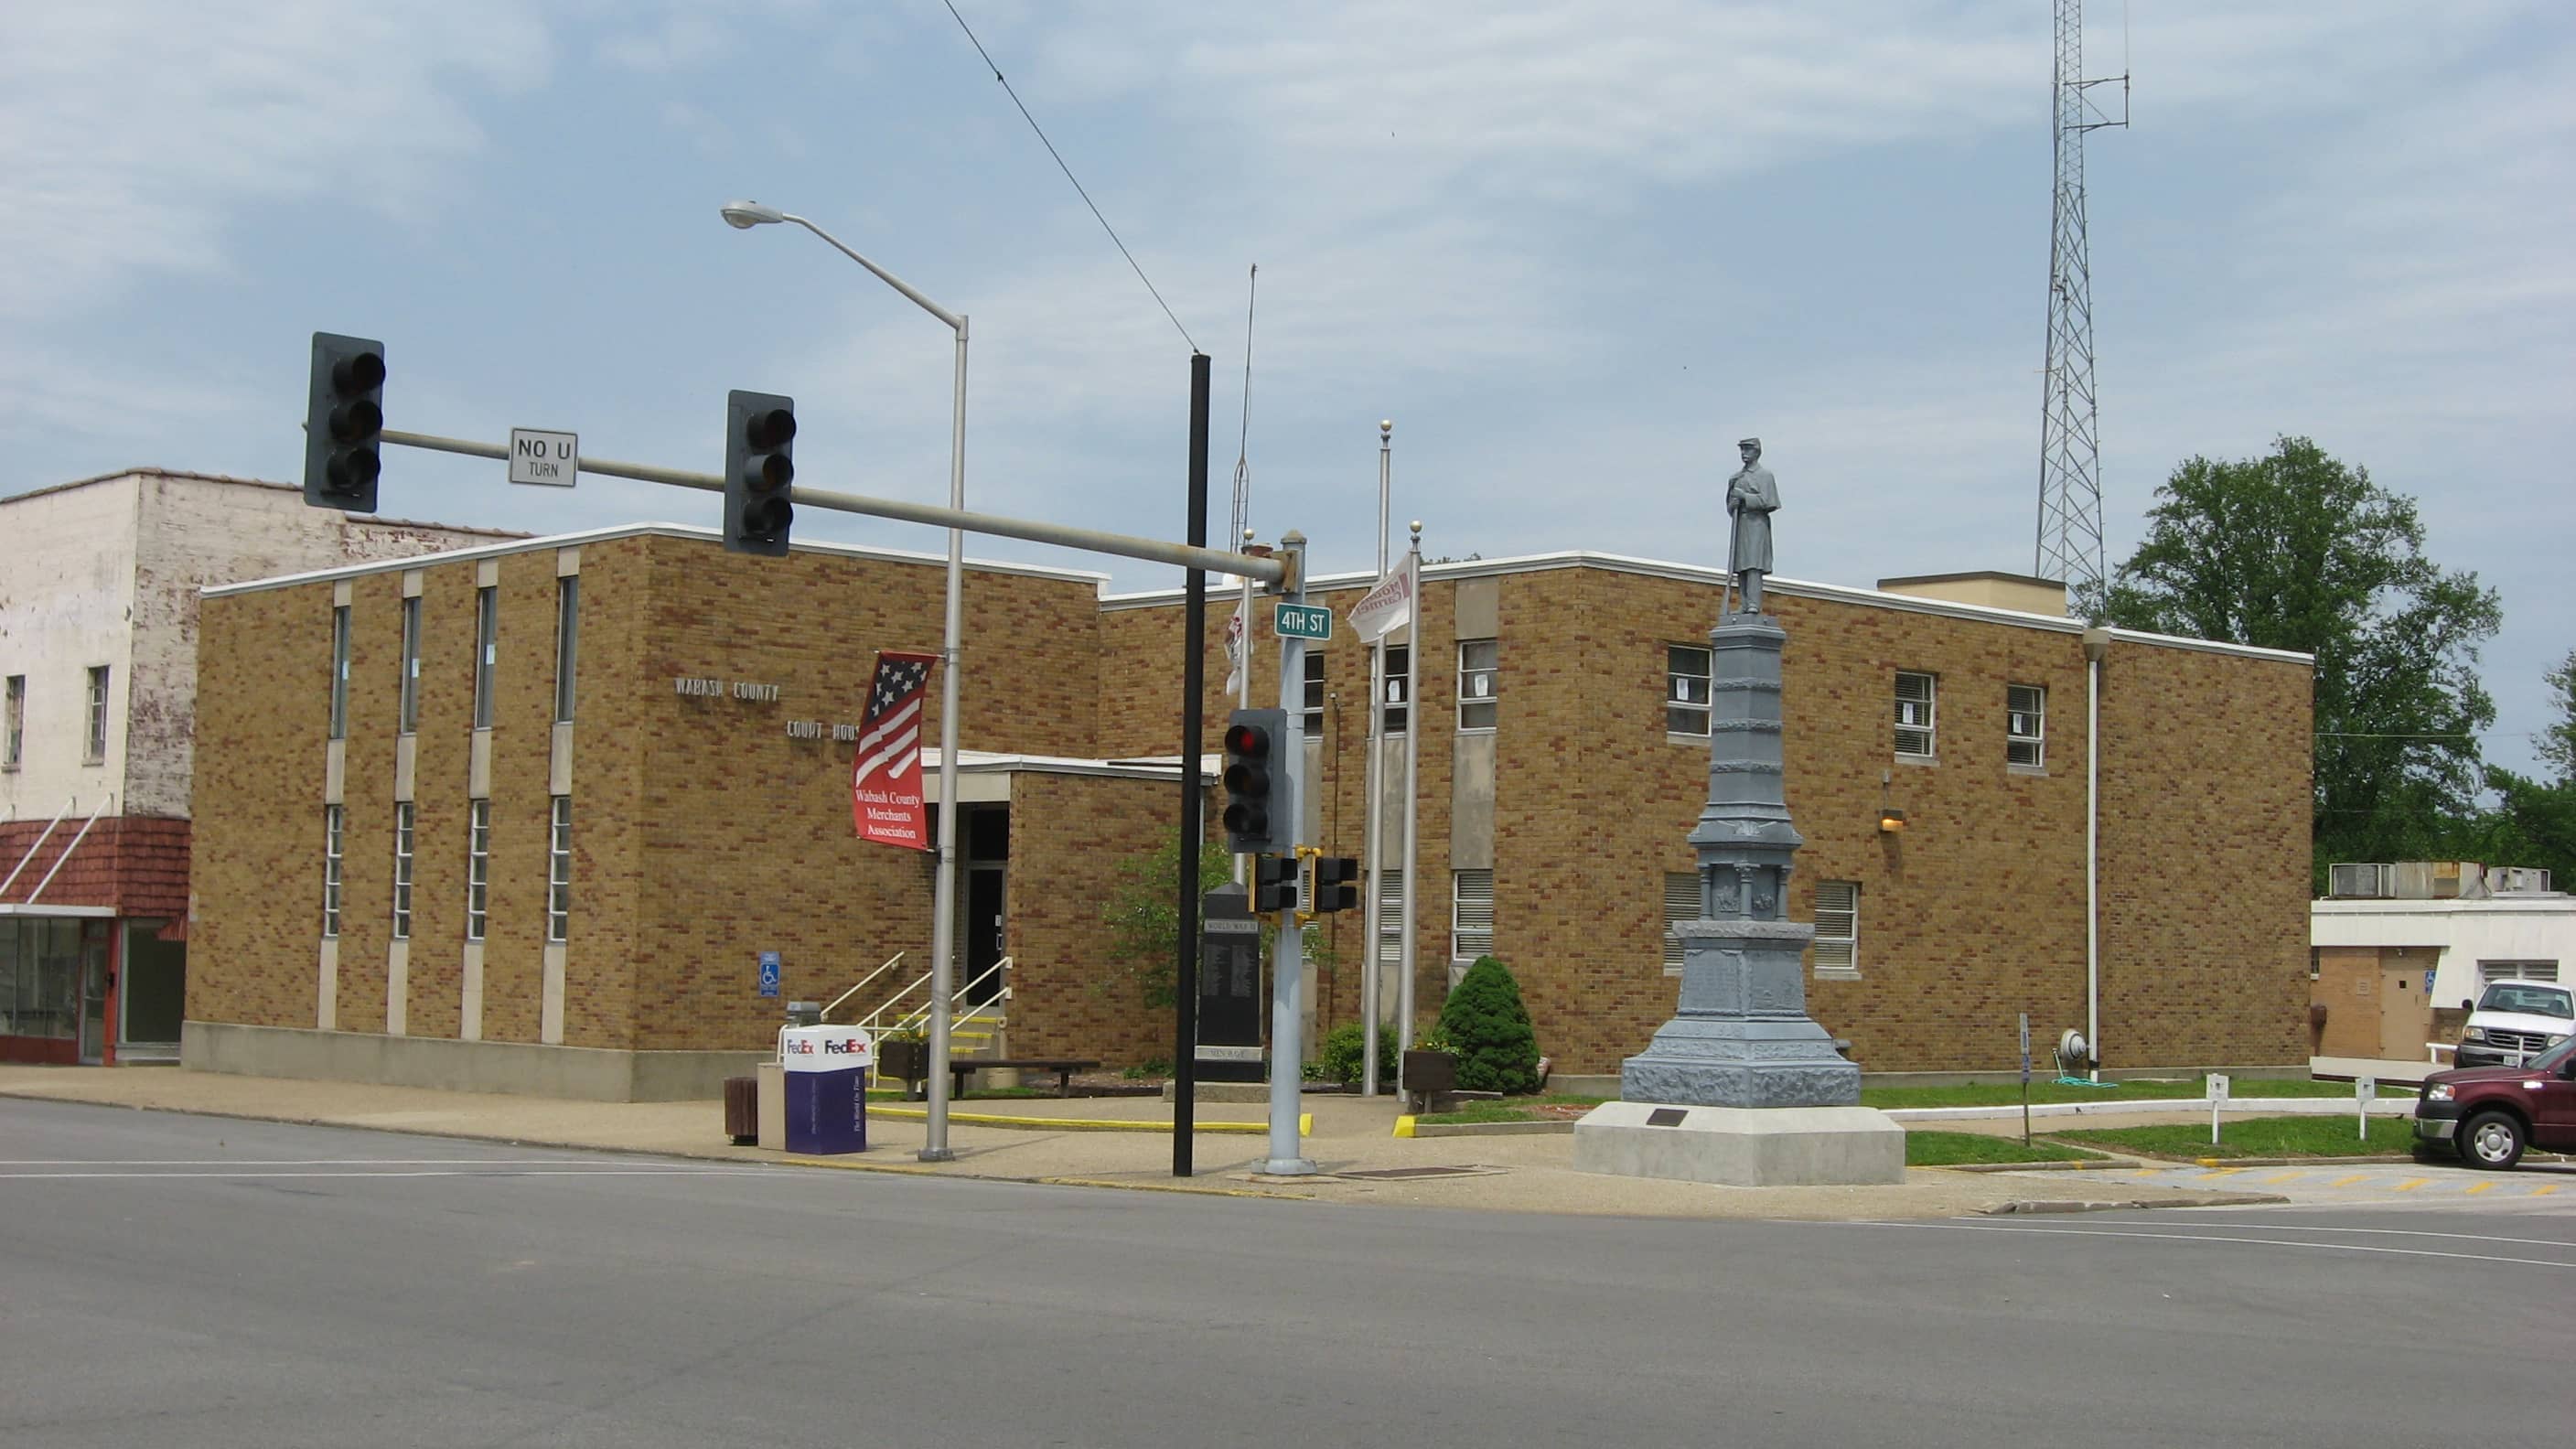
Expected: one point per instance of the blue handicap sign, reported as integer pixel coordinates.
(769, 973)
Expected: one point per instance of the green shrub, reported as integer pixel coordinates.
(1497, 1050)
(1345, 1052)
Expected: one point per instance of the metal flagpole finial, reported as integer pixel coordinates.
(1385, 427)
(1417, 533)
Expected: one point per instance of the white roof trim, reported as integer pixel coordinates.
(2556, 903)
(639, 530)
(1716, 578)
(40, 908)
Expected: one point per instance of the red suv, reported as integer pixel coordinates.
(2490, 1114)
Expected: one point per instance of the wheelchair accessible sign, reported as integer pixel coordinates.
(769, 973)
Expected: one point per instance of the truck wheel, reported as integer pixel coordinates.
(2491, 1140)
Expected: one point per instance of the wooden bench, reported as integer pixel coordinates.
(1063, 1067)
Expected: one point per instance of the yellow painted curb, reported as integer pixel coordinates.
(1305, 1122)
(1173, 1187)
(1404, 1125)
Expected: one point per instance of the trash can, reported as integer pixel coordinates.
(826, 1076)
(742, 1110)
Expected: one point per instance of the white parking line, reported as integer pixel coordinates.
(2211, 1238)
(223, 1176)
(281, 1161)
(2195, 1221)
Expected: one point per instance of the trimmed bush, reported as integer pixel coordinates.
(1345, 1052)
(1497, 1050)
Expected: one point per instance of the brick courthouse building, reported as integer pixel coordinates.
(555, 872)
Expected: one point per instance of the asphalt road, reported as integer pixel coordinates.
(206, 1282)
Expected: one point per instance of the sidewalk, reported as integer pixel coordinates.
(1351, 1135)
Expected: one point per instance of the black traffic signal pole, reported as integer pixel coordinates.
(1185, 976)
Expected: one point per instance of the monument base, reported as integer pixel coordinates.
(1742, 1146)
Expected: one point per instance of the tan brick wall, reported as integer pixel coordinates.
(255, 877)
(1068, 834)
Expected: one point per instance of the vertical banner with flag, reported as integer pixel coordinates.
(1234, 632)
(885, 783)
(1387, 607)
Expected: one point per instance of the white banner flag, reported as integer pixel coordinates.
(1389, 606)
(1234, 651)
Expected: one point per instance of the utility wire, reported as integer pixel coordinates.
(1068, 173)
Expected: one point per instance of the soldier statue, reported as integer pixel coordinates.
(1751, 498)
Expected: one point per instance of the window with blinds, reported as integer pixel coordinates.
(1395, 709)
(2025, 725)
(1913, 715)
(1471, 914)
(1838, 928)
(1685, 690)
(1390, 919)
(1681, 903)
(1479, 667)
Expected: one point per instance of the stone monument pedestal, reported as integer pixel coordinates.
(1742, 1146)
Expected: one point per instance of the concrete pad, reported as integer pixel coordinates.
(1742, 1146)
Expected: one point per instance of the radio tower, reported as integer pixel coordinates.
(2070, 454)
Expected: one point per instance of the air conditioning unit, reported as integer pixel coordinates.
(2361, 882)
(2438, 880)
(2517, 880)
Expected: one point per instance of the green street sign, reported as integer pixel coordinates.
(1304, 621)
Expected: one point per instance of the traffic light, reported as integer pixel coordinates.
(760, 468)
(1337, 884)
(1274, 883)
(1256, 800)
(344, 421)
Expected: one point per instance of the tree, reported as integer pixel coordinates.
(2558, 741)
(2296, 550)
(1144, 914)
(1484, 1018)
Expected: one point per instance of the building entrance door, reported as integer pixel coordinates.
(2405, 1014)
(981, 900)
(94, 962)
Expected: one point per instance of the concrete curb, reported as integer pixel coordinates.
(2263, 1106)
(1491, 1129)
(1305, 1122)
(2108, 1164)
(2093, 1205)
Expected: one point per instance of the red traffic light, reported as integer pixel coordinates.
(1250, 742)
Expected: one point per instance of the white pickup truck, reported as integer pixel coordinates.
(2513, 1021)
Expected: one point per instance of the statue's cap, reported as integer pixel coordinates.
(1748, 442)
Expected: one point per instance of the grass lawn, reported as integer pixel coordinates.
(1546, 1107)
(2006, 1094)
(2334, 1136)
(1948, 1149)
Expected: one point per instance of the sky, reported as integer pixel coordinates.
(1573, 250)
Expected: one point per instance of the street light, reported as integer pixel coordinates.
(744, 215)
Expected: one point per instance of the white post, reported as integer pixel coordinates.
(1370, 909)
(1288, 953)
(943, 927)
(1412, 797)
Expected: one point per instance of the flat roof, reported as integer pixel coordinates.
(1717, 577)
(526, 544)
(228, 480)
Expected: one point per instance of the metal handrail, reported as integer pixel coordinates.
(863, 982)
(911, 1022)
(871, 1020)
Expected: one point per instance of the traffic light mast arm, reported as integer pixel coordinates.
(1272, 571)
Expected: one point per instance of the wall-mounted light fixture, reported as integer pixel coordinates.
(1890, 819)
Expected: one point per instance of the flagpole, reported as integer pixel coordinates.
(1372, 907)
(1412, 795)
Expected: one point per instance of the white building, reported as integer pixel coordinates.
(98, 664)
(2427, 937)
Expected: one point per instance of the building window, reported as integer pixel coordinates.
(332, 823)
(1390, 919)
(1471, 914)
(559, 870)
(2517, 971)
(2025, 725)
(1477, 660)
(1311, 716)
(94, 749)
(567, 642)
(1395, 710)
(13, 731)
(340, 672)
(1681, 903)
(478, 867)
(487, 652)
(411, 665)
(1685, 690)
(1838, 928)
(1913, 716)
(402, 869)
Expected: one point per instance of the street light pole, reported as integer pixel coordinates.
(743, 215)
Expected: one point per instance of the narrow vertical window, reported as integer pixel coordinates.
(1681, 903)
(13, 729)
(411, 665)
(1311, 716)
(331, 843)
(567, 641)
(1685, 690)
(478, 867)
(487, 647)
(2025, 725)
(1397, 710)
(1478, 661)
(1837, 928)
(1471, 914)
(340, 672)
(402, 869)
(1914, 701)
(95, 747)
(1390, 919)
(559, 871)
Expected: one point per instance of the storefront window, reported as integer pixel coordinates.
(40, 970)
